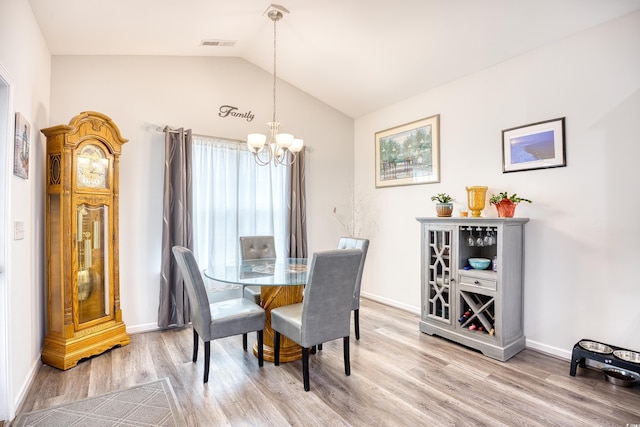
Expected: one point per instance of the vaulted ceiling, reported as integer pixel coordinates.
(355, 55)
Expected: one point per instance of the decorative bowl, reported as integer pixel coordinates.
(620, 376)
(479, 263)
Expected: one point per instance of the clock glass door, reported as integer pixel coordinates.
(92, 167)
(93, 294)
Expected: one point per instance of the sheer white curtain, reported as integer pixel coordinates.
(233, 197)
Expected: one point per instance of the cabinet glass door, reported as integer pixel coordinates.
(93, 293)
(439, 275)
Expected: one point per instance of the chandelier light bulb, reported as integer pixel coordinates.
(284, 140)
(255, 141)
(296, 146)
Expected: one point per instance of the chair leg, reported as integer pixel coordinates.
(207, 353)
(244, 342)
(260, 349)
(305, 368)
(347, 365)
(195, 346)
(356, 322)
(276, 348)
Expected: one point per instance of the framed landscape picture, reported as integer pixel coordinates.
(535, 146)
(409, 154)
(21, 147)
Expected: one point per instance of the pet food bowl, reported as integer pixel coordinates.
(596, 347)
(620, 376)
(627, 356)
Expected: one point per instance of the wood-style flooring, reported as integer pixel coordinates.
(399, 377)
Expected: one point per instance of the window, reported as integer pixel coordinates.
(233, 197)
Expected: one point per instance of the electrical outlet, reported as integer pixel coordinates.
(18, 230)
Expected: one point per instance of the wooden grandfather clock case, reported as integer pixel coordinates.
(83, 288)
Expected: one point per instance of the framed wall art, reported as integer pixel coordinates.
(21, 147)
(535, 146)
(409, 154)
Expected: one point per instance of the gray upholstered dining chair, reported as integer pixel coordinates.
(363, 245)
(256, 247)
(221, 319)
(325, 312)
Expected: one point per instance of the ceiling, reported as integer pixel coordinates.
(355, 55)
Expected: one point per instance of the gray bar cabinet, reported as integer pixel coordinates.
(479, 308)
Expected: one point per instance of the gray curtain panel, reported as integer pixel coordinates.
(297, 209)
(177, 226)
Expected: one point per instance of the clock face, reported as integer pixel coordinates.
(92, 167)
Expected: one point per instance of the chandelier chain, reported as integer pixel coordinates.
(274, 69)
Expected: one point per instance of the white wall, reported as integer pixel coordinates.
(582, 240)
(25, 57)
(141, 93)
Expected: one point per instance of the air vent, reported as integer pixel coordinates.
(218, 43)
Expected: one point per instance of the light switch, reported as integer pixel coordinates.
(18, 230)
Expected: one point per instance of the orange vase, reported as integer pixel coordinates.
(506, 208)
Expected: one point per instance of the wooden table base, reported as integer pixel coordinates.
(274, 297)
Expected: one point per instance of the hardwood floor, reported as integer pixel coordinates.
(399, 376)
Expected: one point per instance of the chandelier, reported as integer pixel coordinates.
(279, 145)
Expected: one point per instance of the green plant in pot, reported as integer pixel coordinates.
(505, 204)
(444, 205)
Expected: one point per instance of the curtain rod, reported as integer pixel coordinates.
(160, 129)
(175, 130)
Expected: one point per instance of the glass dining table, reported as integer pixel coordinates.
(281, 282)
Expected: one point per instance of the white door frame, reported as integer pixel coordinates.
(7, 410)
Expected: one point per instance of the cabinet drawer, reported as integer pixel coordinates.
(481, 283)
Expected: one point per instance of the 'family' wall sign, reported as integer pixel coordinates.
(231, 111)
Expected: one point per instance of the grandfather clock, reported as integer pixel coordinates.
(83, 287)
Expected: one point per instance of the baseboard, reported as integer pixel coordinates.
(391, 303)
(547, 349)
(22, 393)
(146, 327)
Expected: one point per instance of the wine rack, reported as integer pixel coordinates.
(481, 309)
(478, 312)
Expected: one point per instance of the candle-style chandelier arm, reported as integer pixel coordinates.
(277, 148)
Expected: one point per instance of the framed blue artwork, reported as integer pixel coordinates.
(535, 146)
